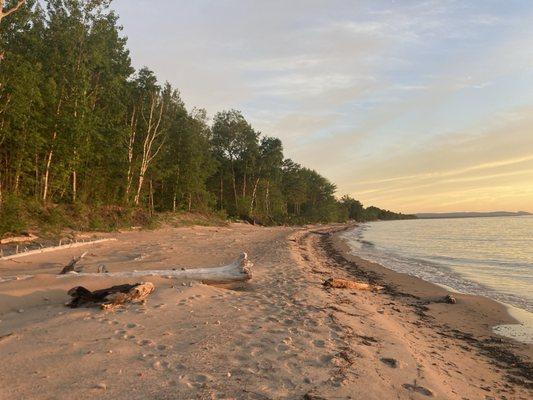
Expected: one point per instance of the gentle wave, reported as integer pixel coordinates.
(492, 257)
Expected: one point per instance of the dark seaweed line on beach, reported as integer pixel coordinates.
(497, 348)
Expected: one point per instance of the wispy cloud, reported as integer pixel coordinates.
(380, 96)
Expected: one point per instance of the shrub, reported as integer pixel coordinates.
(12, 216)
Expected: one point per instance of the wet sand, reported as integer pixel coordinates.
(281, 335)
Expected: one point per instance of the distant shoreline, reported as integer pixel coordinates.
(472, 215)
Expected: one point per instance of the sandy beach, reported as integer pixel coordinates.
(282, 335)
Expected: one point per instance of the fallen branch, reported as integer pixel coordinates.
(19, 239)
(111, 297)
(15, 278)
(71, 266)
(238, 270)
(339, 283)
(49, 249)
(7, 336)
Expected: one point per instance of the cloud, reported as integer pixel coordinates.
(395, 101)
(479, 162)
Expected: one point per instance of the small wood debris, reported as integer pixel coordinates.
(339, 283)
(449, 299)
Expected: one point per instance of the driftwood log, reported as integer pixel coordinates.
(339, 283)
(237, 271)
(111, 297)
(55, 248)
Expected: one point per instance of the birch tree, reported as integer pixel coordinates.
(151, 109)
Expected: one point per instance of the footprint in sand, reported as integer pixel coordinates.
(146, 356)
(418, 389)
(391, 362)
(180, 367)
(160, 365)
(198, 380)
(282, 348)
(146, 342)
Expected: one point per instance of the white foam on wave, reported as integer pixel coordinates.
(448, 276)
(521, 331)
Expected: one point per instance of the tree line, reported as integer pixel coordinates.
(79, 126)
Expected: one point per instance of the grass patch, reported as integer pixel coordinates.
(17, 217)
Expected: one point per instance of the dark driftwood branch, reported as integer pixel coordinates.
(110, 297)
(71, 266)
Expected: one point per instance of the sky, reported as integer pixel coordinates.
(414, 106)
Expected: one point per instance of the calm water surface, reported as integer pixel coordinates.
(492, 257)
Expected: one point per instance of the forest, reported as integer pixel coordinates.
(84, 133)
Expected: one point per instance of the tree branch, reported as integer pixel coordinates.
(4, 13)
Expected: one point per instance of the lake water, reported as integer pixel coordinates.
(492, 256)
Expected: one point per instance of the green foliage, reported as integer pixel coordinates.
(354, 210)
(88, 143)
(12, 219)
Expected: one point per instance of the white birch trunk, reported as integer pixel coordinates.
(152, 133)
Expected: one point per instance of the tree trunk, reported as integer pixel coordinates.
(139, 187)
(74, 186)
(244, 179)
(152, 133)
(17, 176)
(47, 170)
(254, 192)
(51, 151)
(234, 185)
(131, 143)
(267, 199)
(221, 190)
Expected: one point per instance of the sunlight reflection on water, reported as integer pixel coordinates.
(492, 257)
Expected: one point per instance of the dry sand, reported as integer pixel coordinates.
(279, 336)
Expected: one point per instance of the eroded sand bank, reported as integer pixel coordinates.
(281, 335)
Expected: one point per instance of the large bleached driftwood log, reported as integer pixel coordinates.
(238, 270)
(111, 297)
(55, 248)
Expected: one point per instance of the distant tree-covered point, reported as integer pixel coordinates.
(81, 130)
